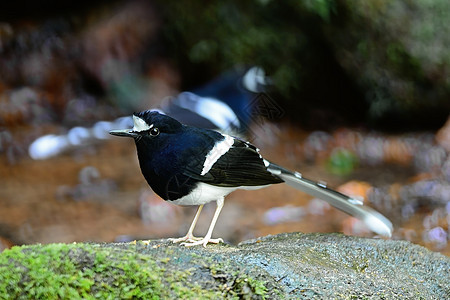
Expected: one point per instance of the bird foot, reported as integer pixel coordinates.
(187, 238)
(203, 242)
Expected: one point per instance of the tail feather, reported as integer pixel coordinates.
(354, 207)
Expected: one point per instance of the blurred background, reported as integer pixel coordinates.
(353, 93)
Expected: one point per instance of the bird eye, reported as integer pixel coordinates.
(154, 131)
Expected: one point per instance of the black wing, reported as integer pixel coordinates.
(241, 165)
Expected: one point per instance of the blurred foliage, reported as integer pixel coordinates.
(342, 162)
(397, 52)
(220, 35)
(381, 61)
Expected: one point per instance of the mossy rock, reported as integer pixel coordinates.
(141, 270)
(282, 266)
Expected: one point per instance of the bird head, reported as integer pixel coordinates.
(149, 125)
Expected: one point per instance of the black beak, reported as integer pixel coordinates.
(124, 132)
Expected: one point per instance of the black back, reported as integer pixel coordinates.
(172, 161)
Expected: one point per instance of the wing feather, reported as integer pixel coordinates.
(241, 165)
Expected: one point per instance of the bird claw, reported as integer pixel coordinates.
(203, 242)
(186, 238)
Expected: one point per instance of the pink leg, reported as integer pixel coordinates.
(207, 239)
(189, 237)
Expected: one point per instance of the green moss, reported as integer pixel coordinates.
(88, 271)
(42, 274)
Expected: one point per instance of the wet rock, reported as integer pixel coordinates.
(283, 266)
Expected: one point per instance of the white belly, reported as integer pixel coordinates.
(205, 193)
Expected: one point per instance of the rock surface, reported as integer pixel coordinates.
(282, 266)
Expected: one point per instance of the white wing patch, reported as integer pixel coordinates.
(140, 125)
(219, 149)
(203, 106)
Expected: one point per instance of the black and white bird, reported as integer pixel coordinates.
(193, 166)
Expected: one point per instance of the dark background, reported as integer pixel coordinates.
(364, 88)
